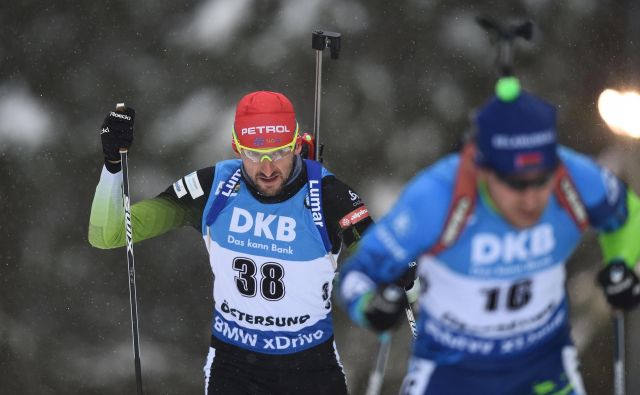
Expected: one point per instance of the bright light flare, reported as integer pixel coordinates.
(621, 112)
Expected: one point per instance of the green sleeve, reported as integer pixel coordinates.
(149, 218)
(624, 243)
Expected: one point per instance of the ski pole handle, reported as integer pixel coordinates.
(321, 39)
(506, 34)
(121, 107)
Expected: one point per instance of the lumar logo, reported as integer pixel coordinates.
(121, 116)
(230, 186)
(314, 202)
(265, 129)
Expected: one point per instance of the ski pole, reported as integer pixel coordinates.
(319, 41)
(407, 308)
(412, 320)
(376, 377)
(133, 300)
(618, 353)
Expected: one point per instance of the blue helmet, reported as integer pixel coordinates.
(517, 136)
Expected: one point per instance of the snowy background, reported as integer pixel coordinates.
(409, 75)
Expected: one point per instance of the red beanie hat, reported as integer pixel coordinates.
(264, 120)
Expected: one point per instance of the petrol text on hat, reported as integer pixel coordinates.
(265, 129)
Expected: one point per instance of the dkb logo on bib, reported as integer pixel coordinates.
(489, 248)
(242, 221)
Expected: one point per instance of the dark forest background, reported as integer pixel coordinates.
(410, 74)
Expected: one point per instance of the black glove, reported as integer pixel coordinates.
(116, 132)
(620, 285)
(409, 277)
(385, 308)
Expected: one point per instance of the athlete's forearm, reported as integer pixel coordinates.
(352, 235)
(624, 242)
(106, 223)
(149, 218)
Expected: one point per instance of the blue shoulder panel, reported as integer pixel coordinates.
(411, 227)
(229, 172)
(603, 194)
